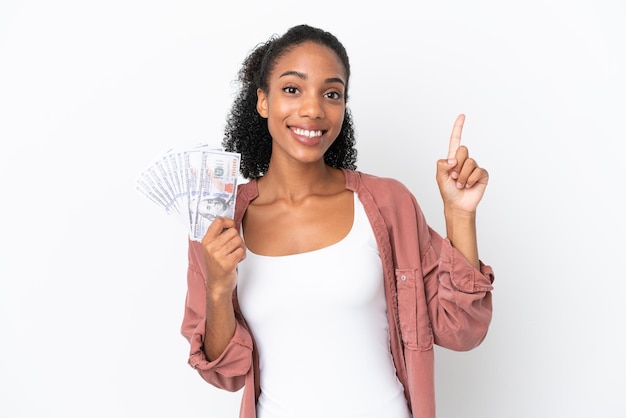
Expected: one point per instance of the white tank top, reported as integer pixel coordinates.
(319, 320)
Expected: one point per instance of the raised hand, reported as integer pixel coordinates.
(461, 181)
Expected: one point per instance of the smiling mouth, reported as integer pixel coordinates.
(307, 133)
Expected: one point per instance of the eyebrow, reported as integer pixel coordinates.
(303, 76)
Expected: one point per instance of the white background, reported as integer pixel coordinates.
(92, 274)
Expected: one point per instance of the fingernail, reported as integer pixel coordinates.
(451, 161)
(454, 175)
(459, 185)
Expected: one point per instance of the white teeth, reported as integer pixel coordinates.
(307, 133)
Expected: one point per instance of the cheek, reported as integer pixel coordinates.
(278, 111)
(273, 125)
(339, 116)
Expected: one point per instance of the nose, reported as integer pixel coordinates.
(311, 106)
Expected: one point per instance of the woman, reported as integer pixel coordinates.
(325, 294)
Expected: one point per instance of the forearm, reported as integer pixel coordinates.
(220, 324)
(461, 231)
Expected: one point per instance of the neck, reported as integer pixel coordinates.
(297, 183)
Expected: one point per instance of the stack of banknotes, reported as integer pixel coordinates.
(196, 185)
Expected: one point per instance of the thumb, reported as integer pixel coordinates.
(444, 167)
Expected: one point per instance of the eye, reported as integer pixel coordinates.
(334, 95)
(290, 90)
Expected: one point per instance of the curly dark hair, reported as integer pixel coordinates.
(246, 132)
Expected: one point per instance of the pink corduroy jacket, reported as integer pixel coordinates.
(434, 296)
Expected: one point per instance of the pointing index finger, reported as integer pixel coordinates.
(455, 137)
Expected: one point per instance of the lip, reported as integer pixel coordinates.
(306, 140)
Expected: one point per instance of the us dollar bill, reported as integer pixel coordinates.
(196, 185)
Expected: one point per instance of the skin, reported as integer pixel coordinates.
(462, 184)
(303, 204)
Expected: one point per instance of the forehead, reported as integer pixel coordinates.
(310, 58)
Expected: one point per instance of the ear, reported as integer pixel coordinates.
(261, 103)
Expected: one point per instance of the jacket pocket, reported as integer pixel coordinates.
(412, 310)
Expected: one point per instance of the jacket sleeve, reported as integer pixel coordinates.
(458, 307)
(229, 369)
(458, 295)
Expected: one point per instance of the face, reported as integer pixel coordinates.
(305, 103)
(211, 207)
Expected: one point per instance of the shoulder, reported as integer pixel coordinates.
(393, 198)
(383, 186)
(246, 192)
(248, 189)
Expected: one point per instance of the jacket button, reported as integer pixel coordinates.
(403, 278)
